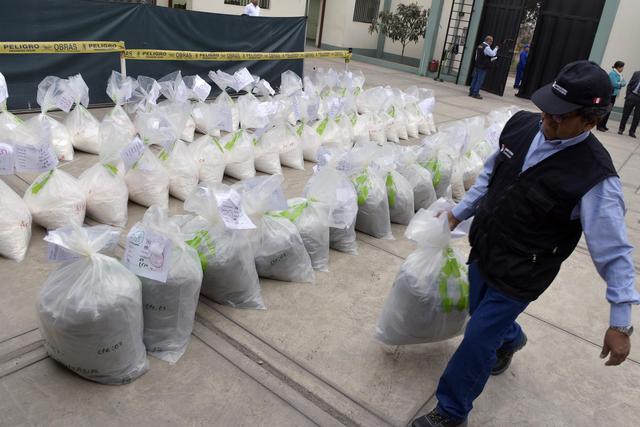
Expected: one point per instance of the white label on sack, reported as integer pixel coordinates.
(343, 195)
(132, 153)
(334, 106)
(59, 254)
(35, 158)
(201, 88)
(266, 109)
(230, 207)
(242, 79)
(148, 254)
(343, 165)
(226, 119)
(7, 159)
(426, 105)
(260, 131)
(295, 107)
(312, 110)
(65, 102)
(268, 87)
(4, 94)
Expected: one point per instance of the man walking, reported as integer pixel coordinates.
(252, 8)
(550, 181)
(484, 59)
(631, 103)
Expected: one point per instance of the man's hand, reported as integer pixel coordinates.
(618, 345)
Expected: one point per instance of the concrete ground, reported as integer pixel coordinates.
(310, 359)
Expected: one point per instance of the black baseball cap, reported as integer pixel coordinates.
(579, 84)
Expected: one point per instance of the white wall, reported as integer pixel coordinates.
(413, 50)
(340, 30)
(622, 42)
(278, 7)
(164, 3)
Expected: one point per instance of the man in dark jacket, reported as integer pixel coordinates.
(484, 59)
(550, 181)
(631, 103)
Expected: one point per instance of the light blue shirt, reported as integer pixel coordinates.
(601, 211)
(488, 51)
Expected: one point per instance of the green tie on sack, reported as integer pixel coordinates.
(453, 269)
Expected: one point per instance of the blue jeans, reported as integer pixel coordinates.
(478, 80)
(492, 326)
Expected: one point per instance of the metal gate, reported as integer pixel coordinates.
(501, 19)
(565, 32)
(456, 39)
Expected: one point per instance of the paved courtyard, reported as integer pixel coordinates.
(310, 359)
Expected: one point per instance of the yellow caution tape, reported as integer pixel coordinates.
(177, 55)
(61, 47)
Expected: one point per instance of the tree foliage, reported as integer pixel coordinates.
(407, 24)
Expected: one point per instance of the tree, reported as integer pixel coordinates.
(407, 24)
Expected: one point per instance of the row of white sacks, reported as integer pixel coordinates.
(231, 236)
(56, 198)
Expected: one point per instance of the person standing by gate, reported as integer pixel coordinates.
(631, 104)
(484, 59)
(252, 8)
(550, 181)
(522, 63)
(617, 81)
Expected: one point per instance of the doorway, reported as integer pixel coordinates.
(553, 45)
(313, 20)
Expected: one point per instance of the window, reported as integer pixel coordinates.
(366, 10)
(264, 4)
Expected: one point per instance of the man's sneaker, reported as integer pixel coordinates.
(435, 419)
(632, 135)
(476, 96)
(620, 132)
(505, 356)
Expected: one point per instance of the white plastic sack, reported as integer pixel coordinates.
(83, 127)
(373, 204)
(267, 154)
(291, 154)
(206, 118)
(56, 199)
(430, 295)
(400, 195)
(209, 155)
(230, 275)
(90, 310)
(311, 218)
(148, 181)
(107, 195)
(169, 308)
(471, 165)
(279, 251)
(15, 224)
(424, 195)
(310, 141)
(120, 89)
(182, 168)
(53, 92)
(238, 155)
(334, 189)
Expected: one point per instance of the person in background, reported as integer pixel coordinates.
(522, 63)
(550, 182)
(617, 81)
(252, 8)
(484, 59)
(631, 104)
